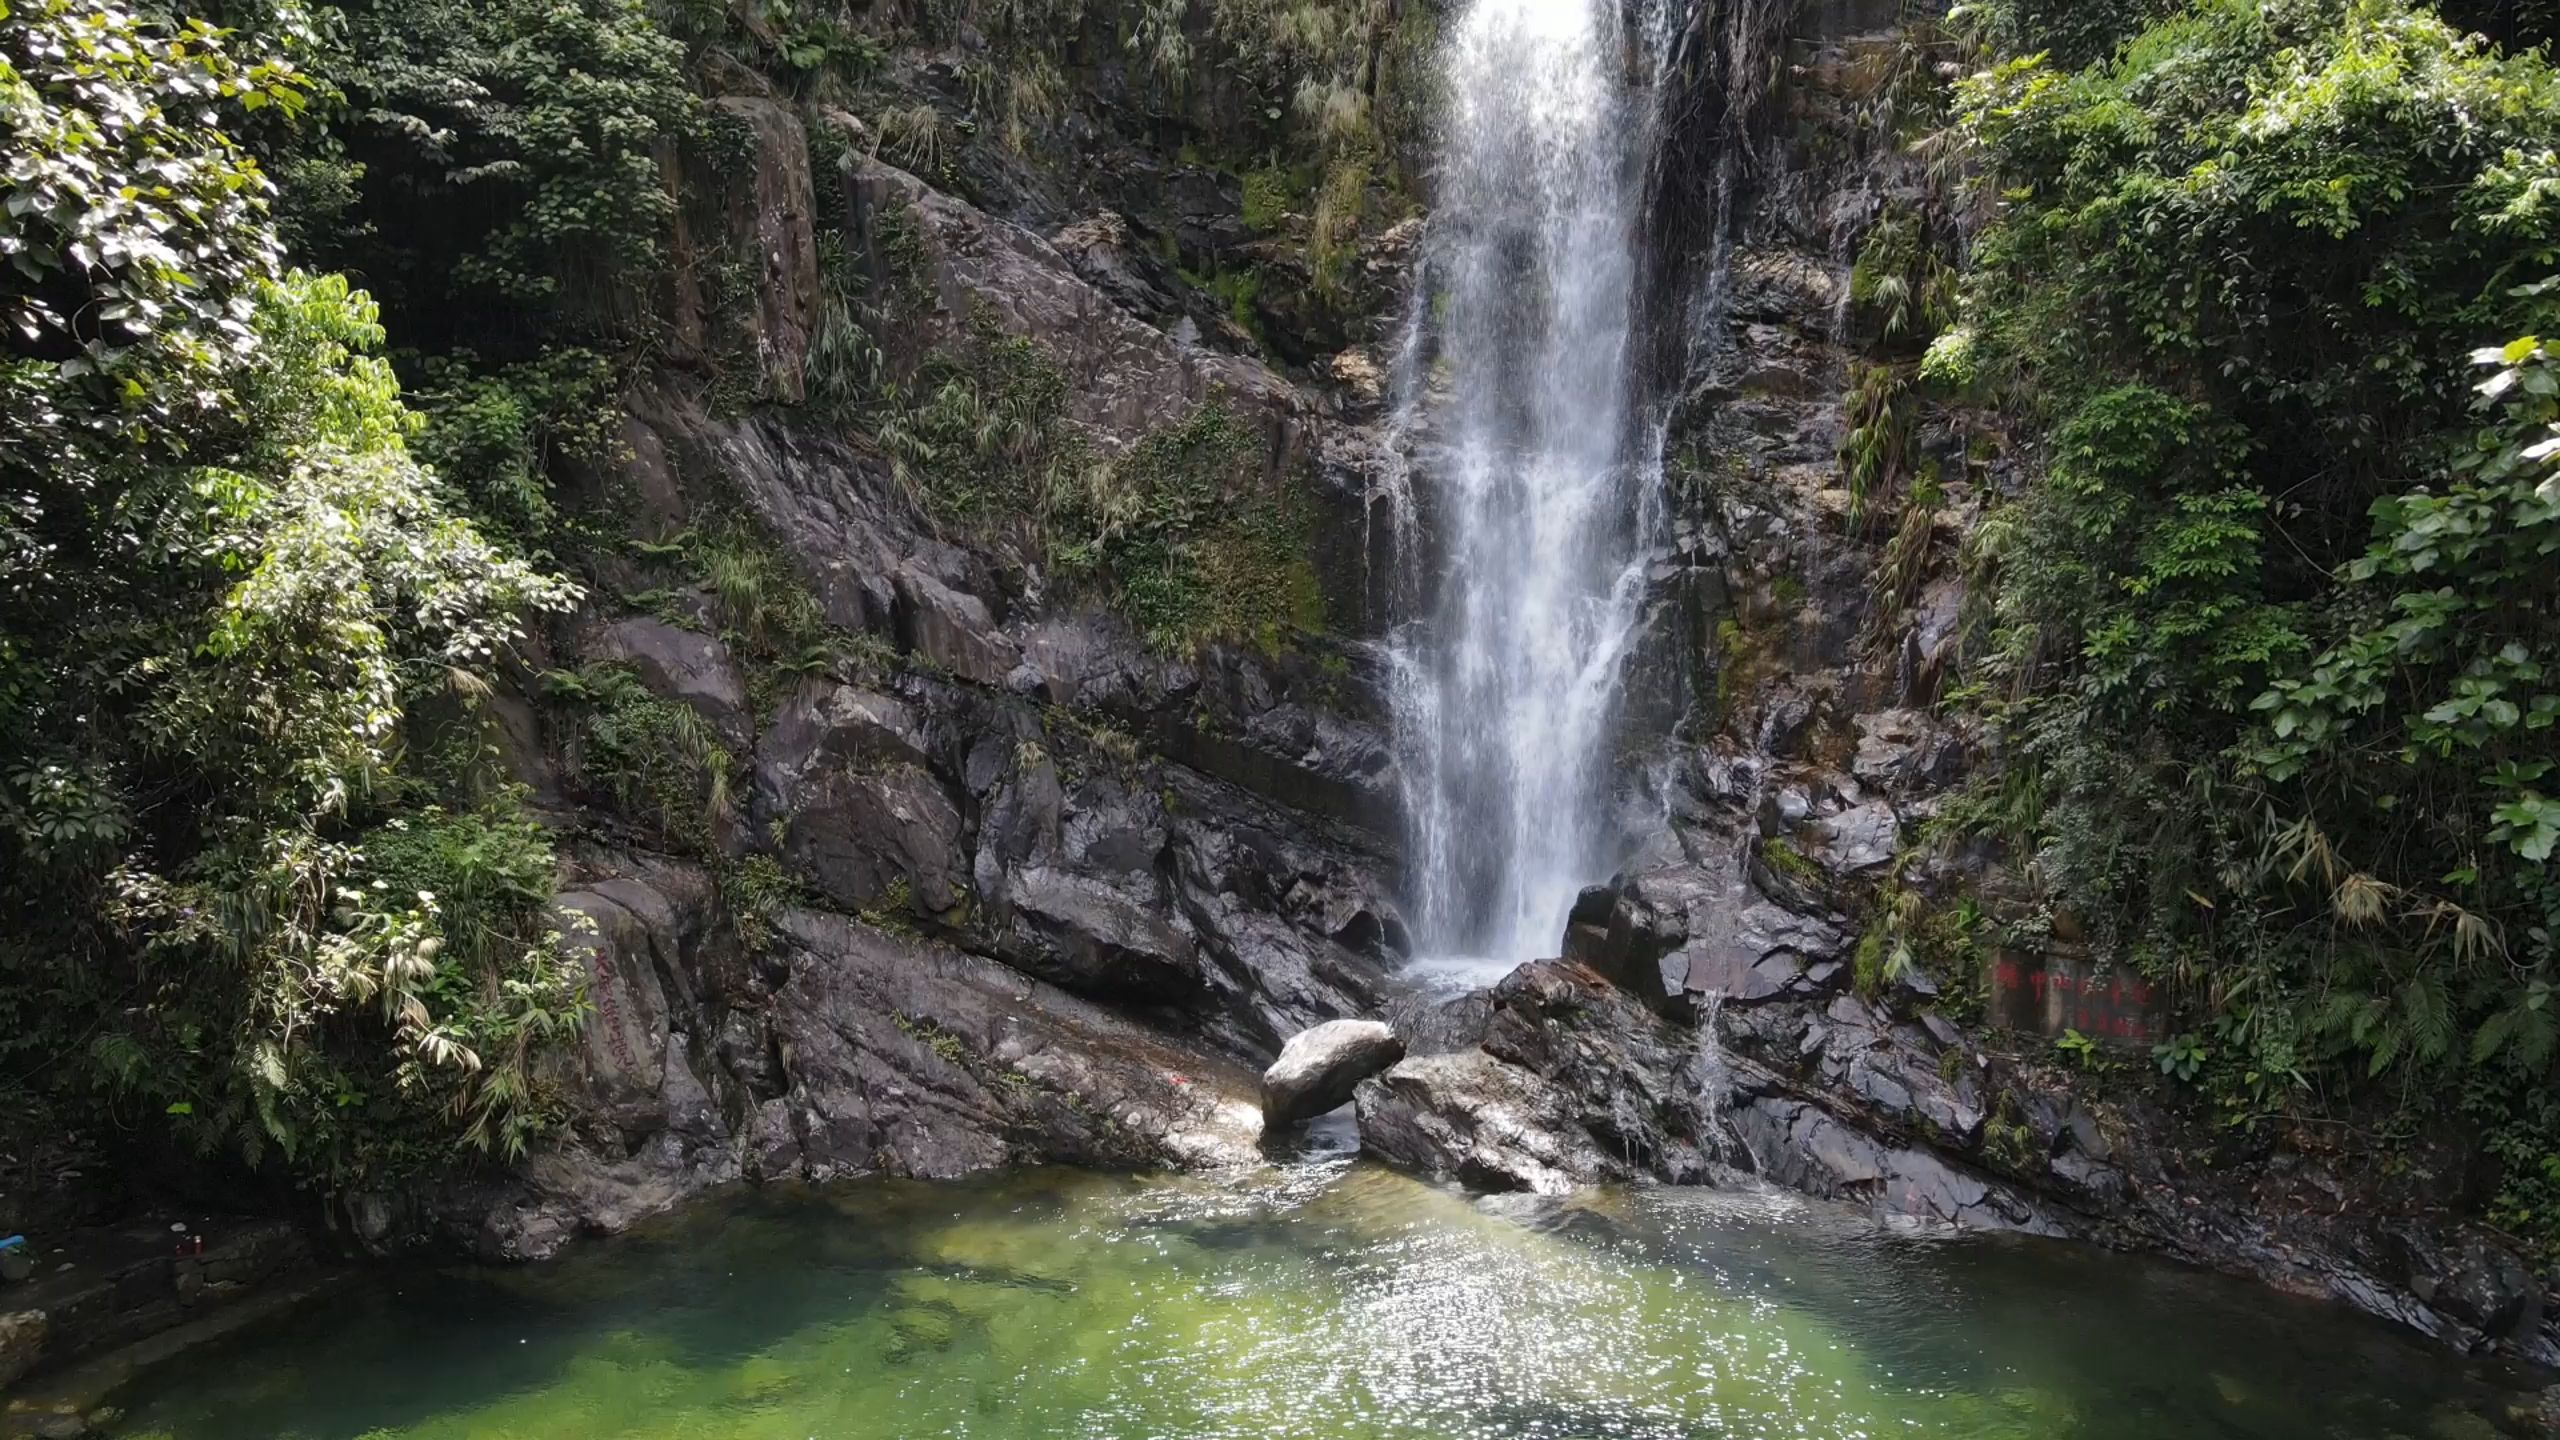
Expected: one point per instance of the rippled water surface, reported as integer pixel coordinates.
(1323, 1301)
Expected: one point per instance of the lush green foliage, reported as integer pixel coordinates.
(135, 229)
(510, 146)
(230, 596)
(2271, 625)
(264, 878)
(658, 761)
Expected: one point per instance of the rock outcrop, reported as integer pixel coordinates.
(1570, 1076)
(841, 1049)
(1024, 888)
(1468, 1117)
(1319, 1069)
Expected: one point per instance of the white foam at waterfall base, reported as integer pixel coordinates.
(1506, 690)
(1458, 974)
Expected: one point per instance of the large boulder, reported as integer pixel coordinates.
(2478, 1283)
(1616, 931)
(860, 837)
(842, 779)
(1859, 840)
(1474, 1119)
(827, 722)
(622, 941)
(894, 1055)
(1805, 1147)
(911, 1058)
(1082, 933)
(953, 628)
(1320, 1068)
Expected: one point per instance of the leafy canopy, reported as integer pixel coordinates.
(2272, 621)
(232, 891)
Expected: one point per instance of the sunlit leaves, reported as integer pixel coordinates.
(2277, 569)
(2463, 635)
(224, 582)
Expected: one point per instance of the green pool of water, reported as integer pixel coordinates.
(1327, 1300)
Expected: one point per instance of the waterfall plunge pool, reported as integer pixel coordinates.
(1328, 1299)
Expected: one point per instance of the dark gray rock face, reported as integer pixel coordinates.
(844, 1050)
(861, 836)
(1618, 931)
(1859, 840)
(953, 629)
(843, 786)
(1564, 1075)
(1065, 895)
(1320, 1068)
(1087, 934)
(925, 1061)
(2476, 1282)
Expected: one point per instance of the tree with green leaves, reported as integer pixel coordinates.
(246, 888)
(2270, 631)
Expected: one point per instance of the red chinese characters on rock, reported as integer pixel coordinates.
(2052, 996)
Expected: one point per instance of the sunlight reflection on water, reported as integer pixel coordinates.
(1317, 1299)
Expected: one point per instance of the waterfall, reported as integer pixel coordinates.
(1543, 464)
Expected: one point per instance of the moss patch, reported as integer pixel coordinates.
(1190, 540)
(1270, 193)
(1785, 859)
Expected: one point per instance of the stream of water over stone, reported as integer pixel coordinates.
(1542, 472)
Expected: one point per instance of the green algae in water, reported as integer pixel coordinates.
(1324, 1301)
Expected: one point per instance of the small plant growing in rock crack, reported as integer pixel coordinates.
(892, 911)
(2007, 1142)
(757, 890)
(664, 765)
(934, 1037)
(1783, 858)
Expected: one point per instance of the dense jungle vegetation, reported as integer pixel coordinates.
(2257, 298)
(2249, 301)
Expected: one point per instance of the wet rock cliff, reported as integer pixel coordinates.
(912, 824)
(1002, 876)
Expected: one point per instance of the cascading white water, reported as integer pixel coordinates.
(1543, 478)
